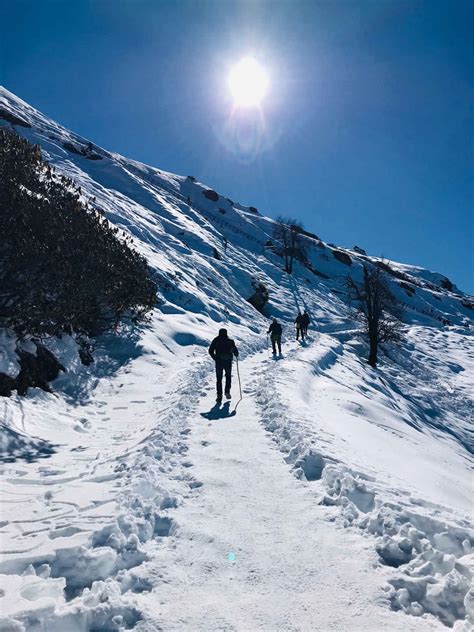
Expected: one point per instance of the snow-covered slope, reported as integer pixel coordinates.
(332, 497)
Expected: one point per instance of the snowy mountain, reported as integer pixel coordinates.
(333, 496)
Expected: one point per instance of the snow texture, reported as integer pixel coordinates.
(331, 496)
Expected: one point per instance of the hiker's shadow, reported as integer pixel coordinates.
(219, 412)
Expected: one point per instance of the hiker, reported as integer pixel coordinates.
(275, 331)
(222, 351)
(299, 326)
(305, 322)
(225, 244)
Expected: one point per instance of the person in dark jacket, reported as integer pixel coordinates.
(299, 326)
(275, 330)
(222, 351)
(305, 323)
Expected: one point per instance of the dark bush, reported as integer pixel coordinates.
(85, 351)
(395, 273)
(260, 296)
(37, 370)
(222, 210)
(252, 209)
(409, 289)
(11, 118)
(359, 250)
(86, 357)
(84, 151)
(302, 231)
(447, 284)
(343, 257)
(211, 195)
(269, 245)
(7, 385)
(215, 253)
(62, 267)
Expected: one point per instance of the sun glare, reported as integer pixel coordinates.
(248, 82)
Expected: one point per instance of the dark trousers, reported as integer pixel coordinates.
(276, 340)
(300, 330)
(223, 366)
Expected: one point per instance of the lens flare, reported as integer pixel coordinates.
(248, 82)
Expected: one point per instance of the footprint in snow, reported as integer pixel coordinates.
(195, 484)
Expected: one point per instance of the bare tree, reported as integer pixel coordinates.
(376, 307)
(288, 232)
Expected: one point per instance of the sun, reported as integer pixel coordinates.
(248, 82)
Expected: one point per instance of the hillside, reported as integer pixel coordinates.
(333, 496)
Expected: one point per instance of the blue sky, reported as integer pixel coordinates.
(365, 135)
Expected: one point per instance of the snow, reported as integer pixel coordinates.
(8, 358)
(332, 496)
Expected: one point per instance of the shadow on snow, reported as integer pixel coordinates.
(220, 412)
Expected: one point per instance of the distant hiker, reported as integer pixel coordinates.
(222, 351)
(225, 244)
(305, 323)
(299, 326)
(275, 331)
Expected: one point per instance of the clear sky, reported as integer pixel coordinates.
(365, 135)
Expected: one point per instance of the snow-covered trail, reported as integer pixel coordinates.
(161, 487)
(293, 568)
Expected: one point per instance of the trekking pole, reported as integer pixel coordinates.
(238, 375)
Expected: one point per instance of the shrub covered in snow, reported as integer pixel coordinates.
(62, 266)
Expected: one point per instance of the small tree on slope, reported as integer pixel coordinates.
(288, 232)
(376, 308)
